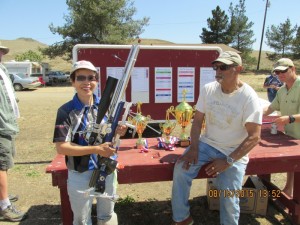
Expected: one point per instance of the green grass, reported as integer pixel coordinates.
(255, 81)
(128, 200)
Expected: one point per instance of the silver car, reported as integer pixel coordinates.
(20, 82)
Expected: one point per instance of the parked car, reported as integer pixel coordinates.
(40, 77)
(57, 77)
(20, 82)
(36, 75)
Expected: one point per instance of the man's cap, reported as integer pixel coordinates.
(283, 64)
(83, 65)
(229, 58)
(4, 49)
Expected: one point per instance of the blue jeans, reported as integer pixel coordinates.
(81, 203)
(271, 96)
(230, 179)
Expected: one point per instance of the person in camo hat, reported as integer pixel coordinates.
(287, 101)
(233, 118)
(3, 51)
(9, 113)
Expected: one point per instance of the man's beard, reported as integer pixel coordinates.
(219, 78)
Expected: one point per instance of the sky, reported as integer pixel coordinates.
(177, 21)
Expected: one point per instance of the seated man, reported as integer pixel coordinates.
(233, 118)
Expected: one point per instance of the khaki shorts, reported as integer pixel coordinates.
(7, 152)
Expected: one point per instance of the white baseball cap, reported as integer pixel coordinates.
(83, 65)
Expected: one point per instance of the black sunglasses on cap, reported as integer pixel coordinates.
(281, 71)
(222, 67)
(84, 78)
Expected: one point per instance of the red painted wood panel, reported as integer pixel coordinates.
(104, 57)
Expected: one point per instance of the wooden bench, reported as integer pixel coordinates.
(274, 154)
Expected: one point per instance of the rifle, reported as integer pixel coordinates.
(113, 105)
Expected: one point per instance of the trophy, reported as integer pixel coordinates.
(167, 128)
(140, 122)
(183, 114)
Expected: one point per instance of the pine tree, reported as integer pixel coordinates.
(296, 45)
(96, 22)
(218, 28)
(240, 29)
(281, 38)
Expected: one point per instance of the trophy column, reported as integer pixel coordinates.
(140, 122)
(183, 114)
(167, 128)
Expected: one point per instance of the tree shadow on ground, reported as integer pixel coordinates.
(41, 214)
(153, 212)
(160, 213)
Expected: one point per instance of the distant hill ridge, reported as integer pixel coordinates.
(24, 44)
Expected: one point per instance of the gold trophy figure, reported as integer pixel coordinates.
(167, 127)
(183, 114)
(140, 122)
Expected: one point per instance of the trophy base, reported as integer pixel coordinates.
(168, 145)
(184, 143)
(141, 143)
(140, 146)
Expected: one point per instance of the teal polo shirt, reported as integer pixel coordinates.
(288, 103)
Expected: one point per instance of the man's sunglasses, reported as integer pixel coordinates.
(281, 71)
(82, 78)
(222, 67)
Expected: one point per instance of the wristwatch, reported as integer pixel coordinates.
(229, 160)
(292, 119)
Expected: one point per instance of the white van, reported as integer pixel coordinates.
(29, 69)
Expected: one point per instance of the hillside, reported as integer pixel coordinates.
(22, 45)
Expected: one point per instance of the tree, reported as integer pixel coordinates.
(218, 26)
(296, 45)
(280, 38)
(29, 55)
(96, 22)
(240, 29)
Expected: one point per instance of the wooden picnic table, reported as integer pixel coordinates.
(274, 154)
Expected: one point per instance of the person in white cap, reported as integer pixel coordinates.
(8, 130)
(74, 122)
(287, 101)
(233, 119)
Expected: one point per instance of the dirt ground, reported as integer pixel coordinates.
(141, 204)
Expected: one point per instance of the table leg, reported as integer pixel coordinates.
(296, 198)
(266, 177)
(66, 212)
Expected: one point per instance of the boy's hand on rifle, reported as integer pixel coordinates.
(106, 150)
(121, 130)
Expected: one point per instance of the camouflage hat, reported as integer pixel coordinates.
(283, 64)
(229, 58)
(4, 49)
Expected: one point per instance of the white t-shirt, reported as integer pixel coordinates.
(226, 116)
